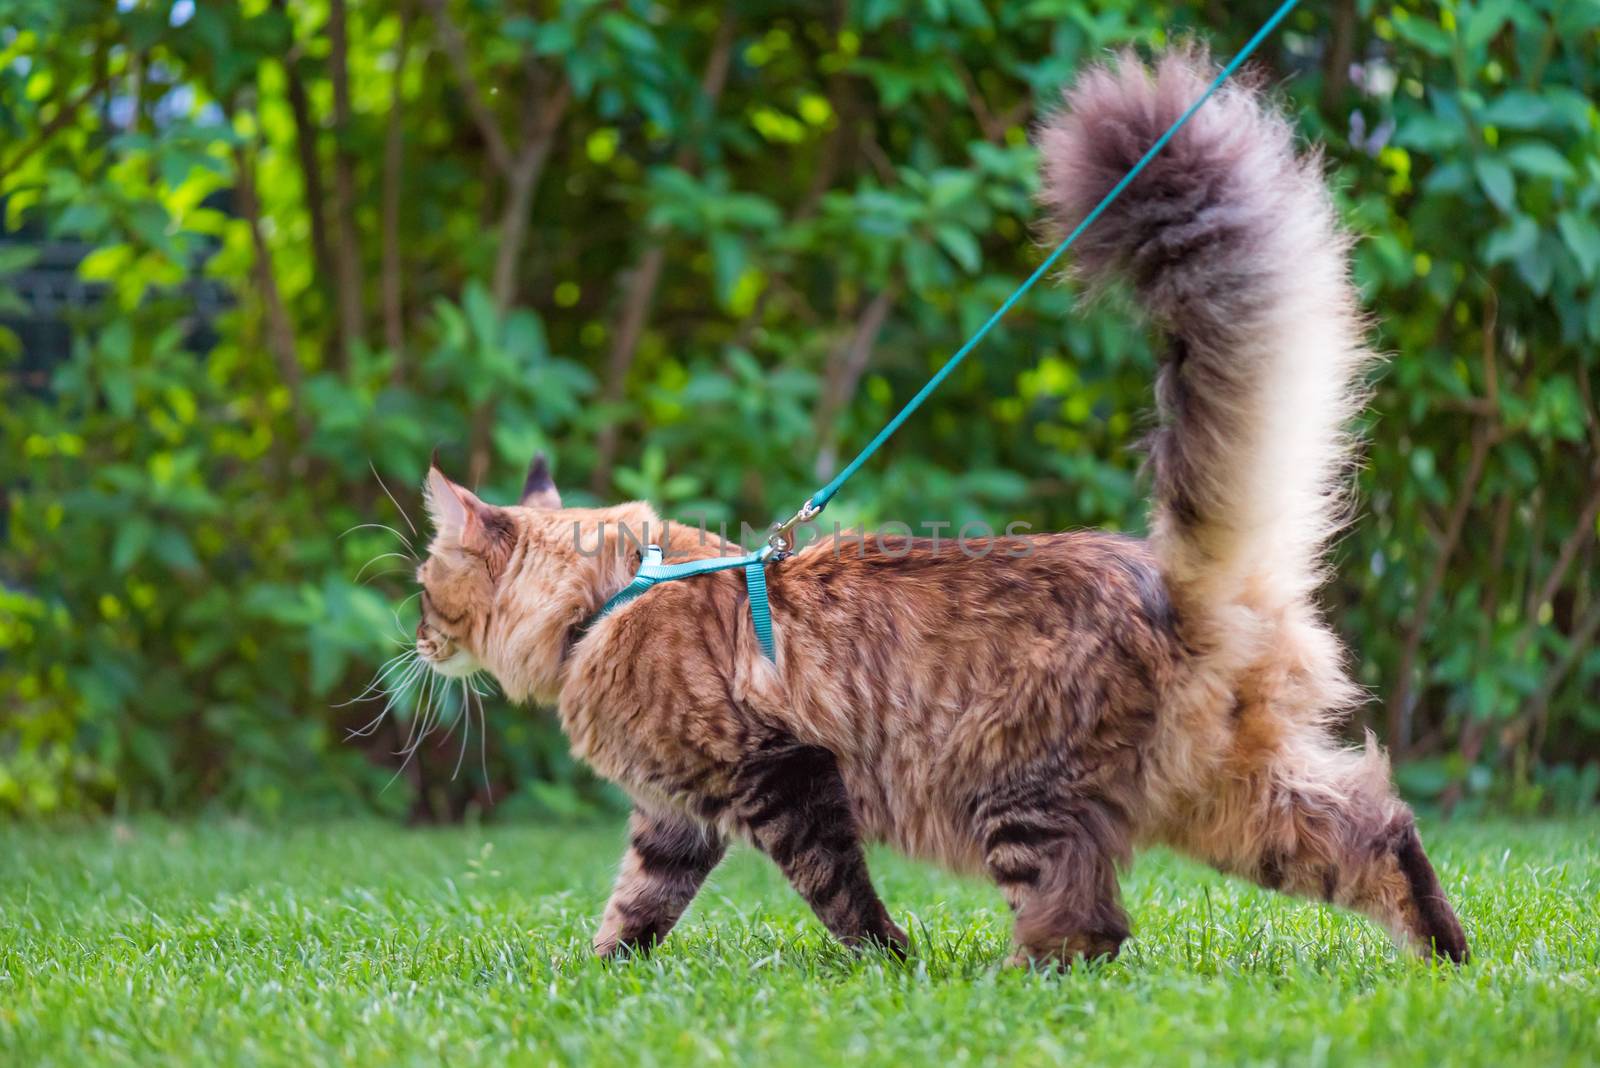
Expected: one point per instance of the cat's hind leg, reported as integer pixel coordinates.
(1319, 821)
(1054, 854)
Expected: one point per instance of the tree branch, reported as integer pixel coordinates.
(638, 293)
(1341, 51)
(58, 122)
(1398, 708)
(992, 126)
(306, 139)
(1575, 540)
(845, 369)
(539, 131)
(455, 49)
(347, 253)
(394, 316)
(640, 286)
(1591, 415)
(1537, 714)
(279, 329)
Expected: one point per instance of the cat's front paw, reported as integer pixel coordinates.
(897, 942)
(888, 937)
(611, 945)
(621, 948)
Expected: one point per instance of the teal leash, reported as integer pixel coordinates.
(782, 541)
(783, 533)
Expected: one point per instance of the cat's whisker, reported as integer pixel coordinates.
(466, 733)
(418, 666)
(421, 703)
(373, 468)
(376, 685)
(375, 559)
(413, 670)
(383, 526)
(385, 668)
(429, 711)
(395, 694)
(405, 749)
(450, 728)
(395, 612)
(425, 719)
(441, 699)
(438, 696)
(483, 748)
(378, 688)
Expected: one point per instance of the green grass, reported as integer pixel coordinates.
(361, 943)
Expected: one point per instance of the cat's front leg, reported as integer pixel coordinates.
(792, 800)
(669, 856)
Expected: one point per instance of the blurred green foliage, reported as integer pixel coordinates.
(699, 253)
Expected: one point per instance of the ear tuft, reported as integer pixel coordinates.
(539, 489)
(445, 506)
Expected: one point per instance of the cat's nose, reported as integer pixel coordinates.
(422, 630)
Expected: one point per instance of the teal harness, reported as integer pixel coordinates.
(652, 571)
(782, 541)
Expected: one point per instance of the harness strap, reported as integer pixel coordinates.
(755, 580)
(652, 570)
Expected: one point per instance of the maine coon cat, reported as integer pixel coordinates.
(1039, 712)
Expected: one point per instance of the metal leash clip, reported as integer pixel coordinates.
(782, 538)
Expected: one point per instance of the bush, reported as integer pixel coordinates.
(700, 256)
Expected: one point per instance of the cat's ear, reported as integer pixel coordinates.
(456, 511)
(538, 489)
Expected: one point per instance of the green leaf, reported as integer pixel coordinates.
(961, 245)
(1430, 133)
(1583, 239)
(327, 662)
(1537, 268)
(84, 218)
(1424, 33)
(1494, 175)
(1538, 158)
(524, 336)
(1482, 25)
(627, 34)
(1512, 239)
(516, 442)
(133, 537)
(1423, 778)
(1450, 178)
(171, 546)
(1518, 109)
(481, 312)
(15, 257)
(727, 262)
(553, 38)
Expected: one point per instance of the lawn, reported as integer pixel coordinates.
(153, 942)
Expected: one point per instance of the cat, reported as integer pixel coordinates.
(1034, 713)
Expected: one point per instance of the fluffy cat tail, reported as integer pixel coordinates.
(1232, 245)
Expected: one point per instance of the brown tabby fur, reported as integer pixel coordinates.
(1034, 708)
